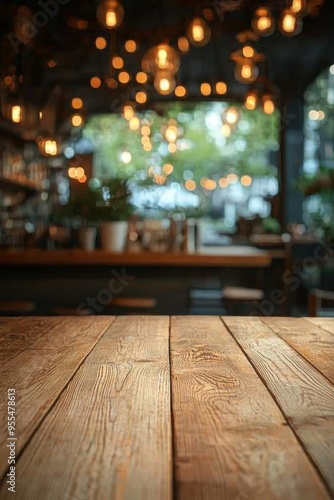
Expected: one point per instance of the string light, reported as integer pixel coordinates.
(183, 44)
(130, 46)
(206, 89)
(231, 116)
(180, 91)
(190, 185)
(298, 6)
(95, 82)
(268, 104)
(164, 82)
(223, 183)
(141, 77)
(232, 178)
(77, 103)
(134, 123)
(290, 24)
(251, 100)
(141, 97)
(100, 43)
(263, 23)
(117, 62)
(168, 169)
(124, 77)
(77, 120)
(221, 88)
(16, 114)
(246, 180)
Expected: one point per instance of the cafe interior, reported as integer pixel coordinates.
(167, 157)
(166, 249)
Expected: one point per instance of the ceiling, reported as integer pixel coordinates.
(292, 63)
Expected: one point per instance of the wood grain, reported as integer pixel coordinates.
(226, 257)
(324, 323)
(17, 334)
(109, 434)
(231, 441)
(304, 395)
(41, 371)
(313, 343)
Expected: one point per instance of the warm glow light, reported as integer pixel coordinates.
(72, 172)
(8, 80)
(79, 172)
(124, 77)
(290, 24)
(164, 82)
(248, 51)
(82, 179)
(206, 89)
(141, 97)
(198, 32)
(246, 180)
(128, 112)
(168, 169)
(231, 116)
(246, 71)
(95, 82)
(52, 63)
(263, 22)
(160, 179)
(223, 183)
(147, 146)
(16, 114)
(172, 148)
(145, 130)
(210, 184)
(77, 103)
(232, 178)
(268, 105)
(171, 134)
(251, 101)
(100, 43)
(180, 91)
(313, 115)
(110, 13)
(221, 88)
(117, 62)
(134, 123)
(190, 185)
(141, 77)
(161, 58)
(183, 44)
(50, 147)
(77, 120)
(130, 46)
(145, 140)
(298, 6)
(226, 130)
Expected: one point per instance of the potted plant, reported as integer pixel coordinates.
(82, 211)
(115, 212)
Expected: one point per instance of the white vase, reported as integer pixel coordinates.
(87, 238)
(113, 236)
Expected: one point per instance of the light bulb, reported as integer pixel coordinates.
(48, 147)
(110, 14)
(263, 22)
(206, 89)
(268, 105)
(251, 101)
(246, 72)
(77, 120)
(221, 88)
(161, 57)
(183, 44)
(290, 24)
(298, 6)
(16, 114)
(199, 32)
(180, 91)
(164, 82)
(248, 51)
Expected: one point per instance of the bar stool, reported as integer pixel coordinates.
(11, 307)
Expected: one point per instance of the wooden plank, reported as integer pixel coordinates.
(324, 323)
(17, 334)
(313, 343)
(207, 257)
(304, 395)
(231, 441)
(40, 372)
(109, 434)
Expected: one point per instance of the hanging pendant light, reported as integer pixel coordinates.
(16, 113)
(48, 146)
(251, 100)
(298, 6)
(231, 116)
(161, 58)
(198, 32)
(110, 14)
(246, 69)
(263, 23)
(164, 82)
(268, 104)
(290, 24)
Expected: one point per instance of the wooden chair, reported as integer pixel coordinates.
(11, 307)
(316, 299)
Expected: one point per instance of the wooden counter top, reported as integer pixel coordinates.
(232, 256)
(159, 408)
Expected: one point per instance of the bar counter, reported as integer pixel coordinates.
(231, 256)
(159, 408)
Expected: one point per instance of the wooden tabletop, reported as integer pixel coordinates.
(159, 408)
(231, 256)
